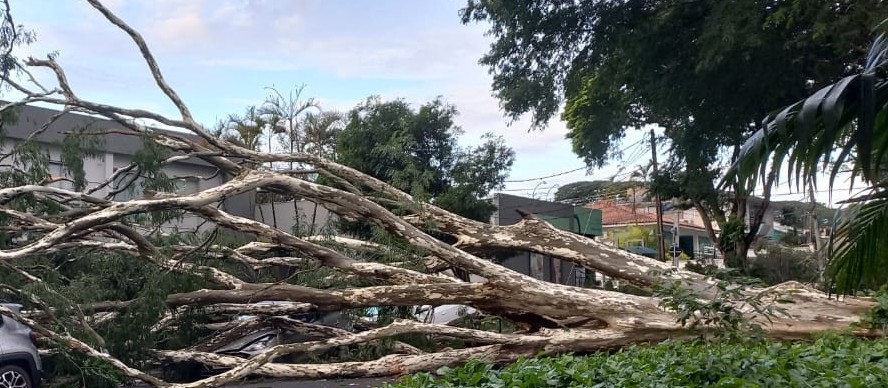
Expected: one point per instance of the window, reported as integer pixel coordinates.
(59, 176)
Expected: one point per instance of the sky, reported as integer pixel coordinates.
(222, 55)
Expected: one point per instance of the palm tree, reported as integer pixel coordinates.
(286, 114)
(841, 127)
(245, 131)
(320, 131)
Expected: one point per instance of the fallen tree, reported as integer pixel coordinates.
(553, 318)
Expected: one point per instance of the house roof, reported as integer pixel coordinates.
(614, 214)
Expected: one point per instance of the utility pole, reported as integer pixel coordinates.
(661, 244)
(675, 237)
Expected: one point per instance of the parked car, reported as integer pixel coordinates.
(251, 344)
(20, 365)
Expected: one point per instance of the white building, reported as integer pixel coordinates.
(117, 152)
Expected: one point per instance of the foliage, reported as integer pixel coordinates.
(76, 147)
(416, 150)
(616, 65)
(581, 193)
(830, 361)
(11, 36)
(76, 369)
(842, 126)
(731, 313)
(877, 318)
(83, 277)
(775, 264)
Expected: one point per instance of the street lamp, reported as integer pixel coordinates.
(533, 193)
(550, 190)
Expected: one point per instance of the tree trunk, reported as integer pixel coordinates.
(552, 318)
(738, 257)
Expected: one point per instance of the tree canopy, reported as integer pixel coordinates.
(112, 292)
(841, 126)
(416, 150)
(581, 193)
(707, 71)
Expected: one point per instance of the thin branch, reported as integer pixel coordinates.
(73, 343)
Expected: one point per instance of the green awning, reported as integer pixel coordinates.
(558, 222)
(586, 222)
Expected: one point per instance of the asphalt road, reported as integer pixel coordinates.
(351, 383)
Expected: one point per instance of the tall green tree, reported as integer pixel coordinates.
(416, 150)
(705, 70)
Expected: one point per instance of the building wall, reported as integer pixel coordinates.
(118, 151)
(302, 216)
(535, 265)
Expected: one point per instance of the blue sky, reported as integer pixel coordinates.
(220, 55)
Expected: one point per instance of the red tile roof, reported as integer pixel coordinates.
(613, 214)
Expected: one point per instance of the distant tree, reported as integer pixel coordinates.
(581, 193)
(707, 71)
(245, 130)
(791, 217)
(795, 213)
(300, 125)
(320, 130)
(416, 150)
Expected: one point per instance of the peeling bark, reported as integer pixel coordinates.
(554, 318)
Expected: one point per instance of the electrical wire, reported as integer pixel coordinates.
(545, 177)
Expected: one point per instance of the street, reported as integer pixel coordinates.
(331, 383)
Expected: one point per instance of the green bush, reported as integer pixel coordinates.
(776, 263)
(831, 361)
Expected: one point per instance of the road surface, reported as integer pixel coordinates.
(332, 383)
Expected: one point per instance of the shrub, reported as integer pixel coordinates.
(777, 264)
(830, 361)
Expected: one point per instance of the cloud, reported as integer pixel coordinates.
(220, 54)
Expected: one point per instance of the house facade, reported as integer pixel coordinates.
(684, 227)
(566, 217)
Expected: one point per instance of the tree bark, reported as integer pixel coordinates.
(553, 318)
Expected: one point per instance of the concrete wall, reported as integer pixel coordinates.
(535, 265)
(302, 216)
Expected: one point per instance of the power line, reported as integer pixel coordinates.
(545, 177)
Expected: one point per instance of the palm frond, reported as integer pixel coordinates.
(841, 116)
(859, 246)
(844, 124)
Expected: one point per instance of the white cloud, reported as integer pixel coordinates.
(410, 52)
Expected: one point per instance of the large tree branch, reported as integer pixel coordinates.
(535, 235)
